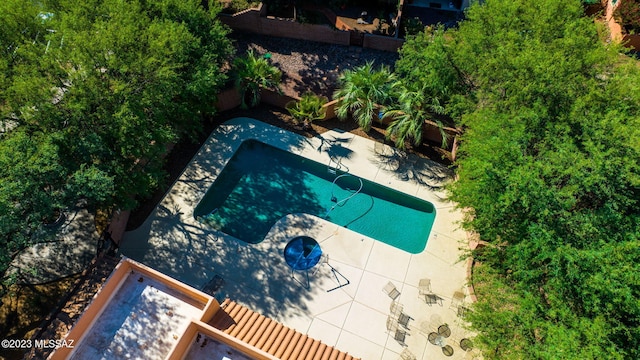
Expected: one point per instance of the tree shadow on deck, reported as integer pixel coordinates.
(410, 167)
(175, 242)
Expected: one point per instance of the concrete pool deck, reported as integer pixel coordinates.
(351, 317)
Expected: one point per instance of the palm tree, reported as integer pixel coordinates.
(363, 91)
(253, 73)
(309, 108)
(410, 114)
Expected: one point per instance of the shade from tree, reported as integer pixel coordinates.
(549, 175)
(92, 93)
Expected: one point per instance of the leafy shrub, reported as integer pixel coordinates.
(311, 17)
(309, 108)
(412, 26)
(280, 8)
(252, 73)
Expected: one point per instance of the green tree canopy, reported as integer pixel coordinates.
(549, 175)
(426, 64)
(97, 89)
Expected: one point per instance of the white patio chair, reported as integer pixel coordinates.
(424, 287)
(396, 308)
(457, 300)
(425, 292)
(392, 323)
(398, 334)
(397, 312)
(407, 355)
(391, 290)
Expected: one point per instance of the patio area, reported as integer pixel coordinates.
(363, 296)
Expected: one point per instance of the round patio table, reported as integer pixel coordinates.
(439, 340)
(436, 339)
(466, 344)
(444, 330)
(302, 253)
(447, 350)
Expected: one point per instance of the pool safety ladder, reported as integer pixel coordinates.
(343, 201)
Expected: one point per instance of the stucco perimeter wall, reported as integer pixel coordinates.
(614, 28)
(281, 100)
(256, 21)
(273, 98)
(384, 43)
(229, 99)
(251, 21)
(432, 133)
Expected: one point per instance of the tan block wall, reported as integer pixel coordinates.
(245, 20)
(273, 98)
(384, 43)
(118, 225)
(227, 99)
(331, 109)
(281, 100)
(614, 28)
(251, 21)
(432, 133)
(255, 21)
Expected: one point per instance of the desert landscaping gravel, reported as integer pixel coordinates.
(307, 65)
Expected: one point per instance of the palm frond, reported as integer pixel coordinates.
(252, 73)
(411, 112)
(362, 90)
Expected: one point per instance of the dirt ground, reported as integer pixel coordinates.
(307, 65)
(47, 311)
(23, 309)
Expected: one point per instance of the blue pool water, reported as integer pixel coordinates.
(260, 184)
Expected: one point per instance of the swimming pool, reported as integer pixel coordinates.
(260, 184)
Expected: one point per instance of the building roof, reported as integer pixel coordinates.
(269, 335)
(140, 303)
(143, 313)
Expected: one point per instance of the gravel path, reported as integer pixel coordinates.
(307, 65)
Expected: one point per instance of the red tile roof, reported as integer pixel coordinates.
(270, 336)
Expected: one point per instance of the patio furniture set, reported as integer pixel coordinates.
(436, 331)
